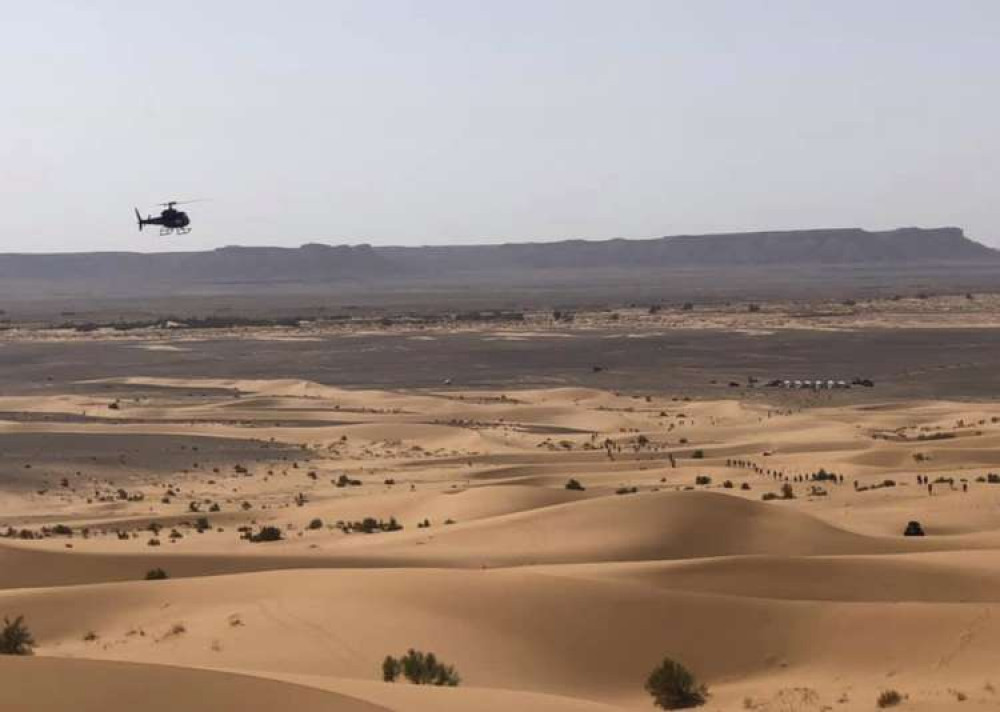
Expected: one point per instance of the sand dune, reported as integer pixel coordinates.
(105, 686)
(90, 686)
(649, 526)
(459, 699)
(572, 635)
(644, 527)
(972, 577)
(544, 598)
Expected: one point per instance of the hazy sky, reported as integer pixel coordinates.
(423, 121)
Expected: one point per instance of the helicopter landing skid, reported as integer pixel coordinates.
(164, 231)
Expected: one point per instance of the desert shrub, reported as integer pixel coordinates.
(936, 436)
(420, 669)
(156, 574)
(728, 484)
(626, 490)
(392, 525)
(745, 486)
(888, 698)
(15, 638)
(787, 492)
(672, 686)
(390, 669)
(266, 534)
(316, 524)
(913, 529)
(370, 525)
(768, 496)
(823, 475)
(698, 455)
(574, 485)
(703, 480)
(62, 530)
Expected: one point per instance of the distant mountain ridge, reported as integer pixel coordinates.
(308, 263)
(319, 265)
(813, 247)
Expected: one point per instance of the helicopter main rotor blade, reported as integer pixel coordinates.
(184, 202)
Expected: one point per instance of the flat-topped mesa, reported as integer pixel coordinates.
(845, 246)
(822, 246)
(579, 264)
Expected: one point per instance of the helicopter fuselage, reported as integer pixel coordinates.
(173, 219)
(170, 220)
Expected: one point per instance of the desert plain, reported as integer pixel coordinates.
(552, 507)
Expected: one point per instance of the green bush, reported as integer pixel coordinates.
(390, 669)
(889, 698)
(420, 669)
(156, 575)
(574, 485)
(913, 529)
(15, 638)
(672, 686)
(266, 534)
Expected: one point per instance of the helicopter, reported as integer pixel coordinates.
(171, 220)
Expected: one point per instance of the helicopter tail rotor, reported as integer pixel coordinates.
(138, 218)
